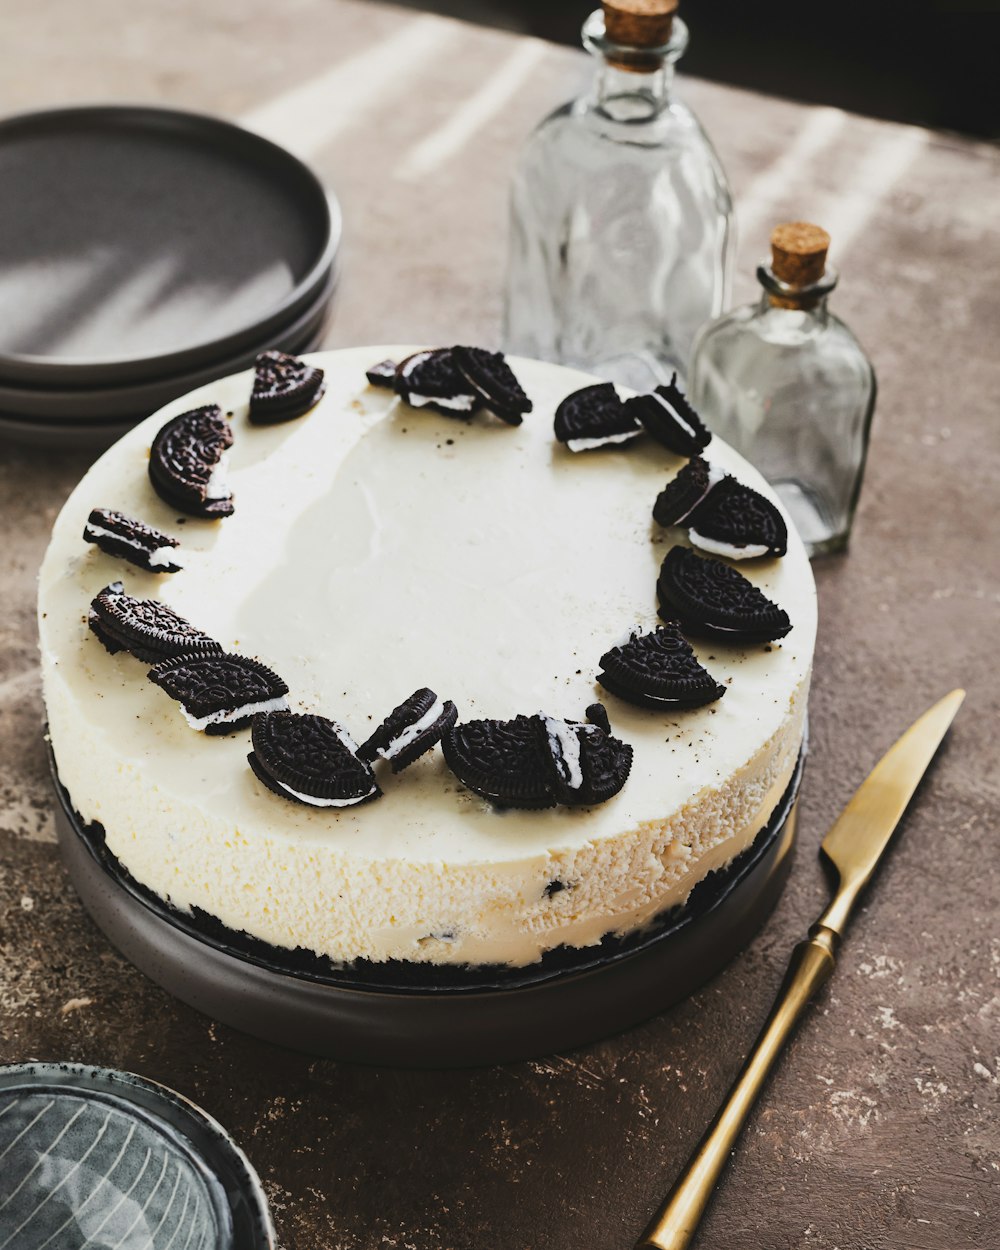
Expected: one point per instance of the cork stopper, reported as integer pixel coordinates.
(798, 253)
(639, 23)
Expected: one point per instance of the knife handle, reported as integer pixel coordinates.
(677, 1220)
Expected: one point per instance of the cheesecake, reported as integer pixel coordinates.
(377, 547)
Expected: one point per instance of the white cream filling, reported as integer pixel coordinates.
(345, 737)
(412, 732)
(218, 483)
(315, 802)
(234, 714)
(164, 556)
(675, 414)
(715, 476)
(156, 558)
(585, 444)
(750, 552)
(564, 742)
(565, 747)
(455, 403)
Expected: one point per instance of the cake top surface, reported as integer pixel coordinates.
(376, 548)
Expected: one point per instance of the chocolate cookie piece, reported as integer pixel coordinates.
(284, 387)
(502, 761)
(410, 730)
(594, 416)
(309, 759)
(597, 714)
(382, 374)
(493, 381)
(679, 498)
(431, 379)
(586, 764)
(716, 600)
(658, 670)
(737, 522)
(220, 693)
(146, 628)
(187, 463)
(671, 420)
(132, 540)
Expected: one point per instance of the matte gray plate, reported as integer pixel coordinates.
(137, 243)
(371, 1015)
(101, 1158)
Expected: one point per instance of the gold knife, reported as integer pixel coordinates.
(854, 846)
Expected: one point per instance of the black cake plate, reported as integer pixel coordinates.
(410, 1015)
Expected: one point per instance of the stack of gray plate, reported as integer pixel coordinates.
(143, 252)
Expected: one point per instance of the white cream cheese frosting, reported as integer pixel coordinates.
(376, 549)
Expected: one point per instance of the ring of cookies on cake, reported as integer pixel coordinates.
(530, 761)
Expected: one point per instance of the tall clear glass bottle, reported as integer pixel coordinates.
(790, 387)
(621, 215)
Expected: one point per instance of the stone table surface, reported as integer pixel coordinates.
(881, 1127)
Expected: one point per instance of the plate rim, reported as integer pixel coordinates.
(29, 367)
(309, 322)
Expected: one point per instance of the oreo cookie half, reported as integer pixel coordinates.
(679, 498)
(671, 420)
(309, 759)
(431, 379)
(410, 730)
(594, 416)
(658, 670)
(493, 381)
(132, 540)
(284, 387)
(736, 521)
(220, 693)
(187, 463)
(146, 628)
(382, 374)
(501, 760)
(714, 599)
(586, 764)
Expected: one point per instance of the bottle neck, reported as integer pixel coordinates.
(632, 84)
(808, 300)
(630, 96)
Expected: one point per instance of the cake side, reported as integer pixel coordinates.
(374, 549)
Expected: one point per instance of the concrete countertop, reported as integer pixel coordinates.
(881, 1127)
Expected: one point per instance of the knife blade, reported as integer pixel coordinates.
(864, 828)
(854, 846)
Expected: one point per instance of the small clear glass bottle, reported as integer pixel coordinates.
(621, 216)
(790, 387)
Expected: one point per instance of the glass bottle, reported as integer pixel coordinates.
(621, 215)
(790, 387)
